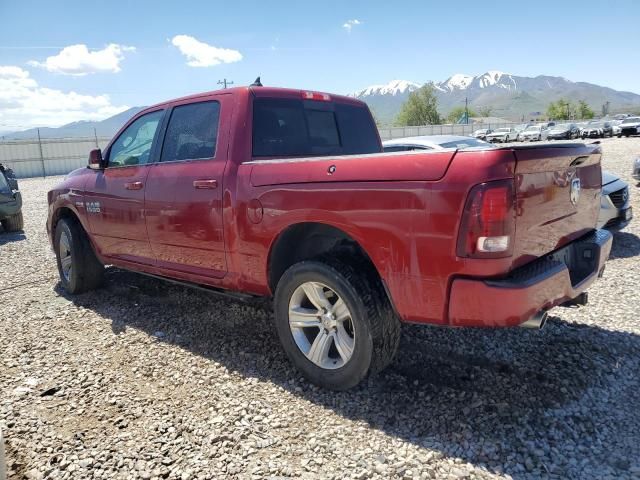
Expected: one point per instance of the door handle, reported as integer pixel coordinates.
(134, 185)
(210, 184)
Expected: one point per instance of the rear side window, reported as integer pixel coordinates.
(286, 127)
(192, 132)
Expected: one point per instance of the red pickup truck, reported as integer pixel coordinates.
(286, 193)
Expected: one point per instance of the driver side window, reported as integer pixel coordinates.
(133, 146)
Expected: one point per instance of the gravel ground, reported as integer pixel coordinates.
(144, 379)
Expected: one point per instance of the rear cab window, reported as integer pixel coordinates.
(285, 127)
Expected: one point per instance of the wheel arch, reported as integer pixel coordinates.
(307, 240)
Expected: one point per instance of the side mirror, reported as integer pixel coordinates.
(95, 159)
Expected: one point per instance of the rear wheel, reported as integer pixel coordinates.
(14, 223)
(79, 268)
(335, 322)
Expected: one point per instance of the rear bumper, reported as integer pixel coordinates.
(540, 285)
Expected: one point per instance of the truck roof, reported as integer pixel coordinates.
(258, 92)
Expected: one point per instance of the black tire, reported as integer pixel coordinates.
(376, 326)
(86, 270)
(14, 223)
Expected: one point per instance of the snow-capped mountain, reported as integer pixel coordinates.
(459, 81)
(394, 87)
(508, 95)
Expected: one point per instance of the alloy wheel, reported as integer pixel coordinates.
(64, 249)
(321, 325)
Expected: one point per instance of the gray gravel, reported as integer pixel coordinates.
(144, 379)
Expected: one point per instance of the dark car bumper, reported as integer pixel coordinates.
(546, 282)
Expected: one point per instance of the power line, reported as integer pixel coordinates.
(224, 82)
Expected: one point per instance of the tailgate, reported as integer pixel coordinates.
(558, 196)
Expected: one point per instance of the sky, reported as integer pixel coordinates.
(65, 61)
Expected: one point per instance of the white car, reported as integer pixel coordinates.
(533, 132)
(432, 142)
(482, 133)
(617, 131)
(629, 126)
(503, 135)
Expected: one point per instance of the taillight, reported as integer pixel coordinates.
(323, 97)
(488, 221)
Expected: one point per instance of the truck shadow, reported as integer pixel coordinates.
(10, 237)
(625, 245)
(490, 397)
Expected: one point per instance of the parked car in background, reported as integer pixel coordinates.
(534, 132)
(564, 131)
(615, 204)
(597, 129)
(504, 135)
(635, 173)
(432, 142)
(10, 201)
(287, 194)
(615, 127)
(629, 126)
(482, 133)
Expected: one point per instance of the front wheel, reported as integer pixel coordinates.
(335, 322)
(79, 268)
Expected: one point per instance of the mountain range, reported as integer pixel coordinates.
(505, 95)
(84, 128)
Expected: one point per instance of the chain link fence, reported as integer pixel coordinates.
(59, 156)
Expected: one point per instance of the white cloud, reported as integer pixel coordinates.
(25, 104)
(78, 60)
(200, 54)
(349, 24)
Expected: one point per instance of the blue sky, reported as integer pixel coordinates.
(330, 46)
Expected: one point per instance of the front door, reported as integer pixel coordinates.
(114, 198)
(184, 190)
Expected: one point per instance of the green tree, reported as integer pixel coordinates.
(421, 108)
(457, 112)
(584, 110)
(560, 110)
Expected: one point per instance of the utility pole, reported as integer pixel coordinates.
(466, 110)
(224, 82)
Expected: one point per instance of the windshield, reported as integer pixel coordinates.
(464, 143)
(562, 126)
(631, 120)
(4, 185)
(283, 126)
(502, 130)
(533, 128)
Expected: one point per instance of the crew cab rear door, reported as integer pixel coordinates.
(184, 192)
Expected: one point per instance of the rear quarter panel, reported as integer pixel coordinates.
(408, 226)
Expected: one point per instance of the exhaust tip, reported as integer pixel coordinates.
(536, 322)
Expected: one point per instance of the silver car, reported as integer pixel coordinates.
(615, 204)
